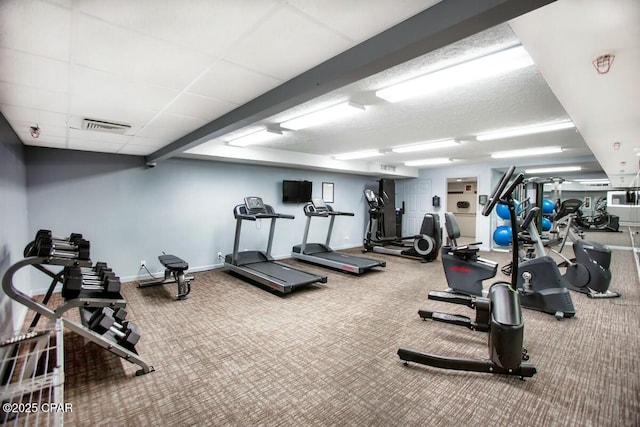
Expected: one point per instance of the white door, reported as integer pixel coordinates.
(418, 202)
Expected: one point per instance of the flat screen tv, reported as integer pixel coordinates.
(296, 191)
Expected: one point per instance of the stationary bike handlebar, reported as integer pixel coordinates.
(497, 192)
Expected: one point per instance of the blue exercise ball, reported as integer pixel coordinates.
(502, 235)
(548, 206)
(546, 224)
(503, 210)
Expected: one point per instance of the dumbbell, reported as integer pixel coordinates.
(104, 320)
(72, 247)
(96, 267)
(75, 282)
(47, 234)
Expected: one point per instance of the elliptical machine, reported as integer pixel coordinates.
(506, 327)
(588, 272)
(424, 246)
(601, 220)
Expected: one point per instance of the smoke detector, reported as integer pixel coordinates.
(103, 126)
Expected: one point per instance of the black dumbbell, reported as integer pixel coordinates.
(103, 321)
(98, 272)
(47, 234)
(98, 266)
(74, 282)
(49, 247)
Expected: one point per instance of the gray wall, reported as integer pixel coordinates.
(13, 223)
(183, 206)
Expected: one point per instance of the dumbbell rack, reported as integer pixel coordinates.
(85, 300)
(33, 373)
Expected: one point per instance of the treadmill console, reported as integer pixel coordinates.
(319, 205)
(254, 205)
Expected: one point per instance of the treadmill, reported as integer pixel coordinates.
(261, 266)
(322, 254)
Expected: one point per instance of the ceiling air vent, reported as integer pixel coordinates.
(102, 126)
(387, 168)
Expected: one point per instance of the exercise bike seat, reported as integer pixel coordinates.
(453, 232)
(173, 263)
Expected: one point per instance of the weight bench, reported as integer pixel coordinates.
(175, 269)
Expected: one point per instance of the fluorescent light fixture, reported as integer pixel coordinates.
(500, 62)
(554, 169)
(606, 182)
(322, 116)
(593, 180)
(428, 162)
(526, 130)
(358, 155)
(430, 145)
(254, 138)
(526, 152)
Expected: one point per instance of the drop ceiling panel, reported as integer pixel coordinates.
(36, 27)
(35, 71)
(211, 26)
(103, 46)
(29, 97)
(46, 131)
(286, 44)
(137, 150)
(97, 136)
(361, 19)
(91, 145)
(110, 97)
(31, 116)
(231, 83)
(171, 126)
(45, 140)
(201, 107)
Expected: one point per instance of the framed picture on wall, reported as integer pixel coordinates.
(587, 202)
(327, 192)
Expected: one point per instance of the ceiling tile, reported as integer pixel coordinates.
(211, 26)
(361, 19)
(90, 145)
(232, 83)
(103, 46)
(29, 115)
(137, 150)
(201, 107)
(28, 97)
(62, 145)
(34, 71)
(286, 44)
(171, 126)
(110, 97)
(36, 27)
(96, 136)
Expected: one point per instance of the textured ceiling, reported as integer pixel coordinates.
(169, 68)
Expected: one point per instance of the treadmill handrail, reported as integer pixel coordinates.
(336, 213)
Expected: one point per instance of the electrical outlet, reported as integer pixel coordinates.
(346, 237)
(143, 264)
(219, 255)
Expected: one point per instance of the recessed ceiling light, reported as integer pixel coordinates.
(526, 152)
(554, 169)
(423, 146)
(526, 130)
(358, 155)
(323, 116)
(497, 63)
(428, 162)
